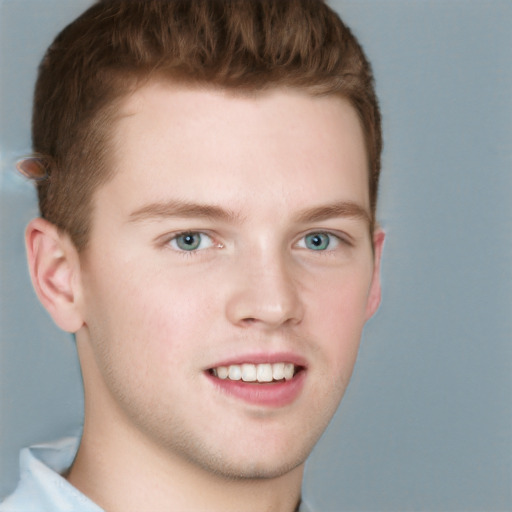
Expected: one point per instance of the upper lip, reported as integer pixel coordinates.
(262, 358)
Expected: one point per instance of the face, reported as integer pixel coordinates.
(232, 242)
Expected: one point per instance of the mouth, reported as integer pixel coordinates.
(263, 373)
(260, 383)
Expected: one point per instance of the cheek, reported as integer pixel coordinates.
(150, 317)
(337, 317)
(340, 300)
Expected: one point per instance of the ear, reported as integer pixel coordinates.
(55, 271)
(374, 294)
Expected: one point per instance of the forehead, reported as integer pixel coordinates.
(265, 112)
(203, 144)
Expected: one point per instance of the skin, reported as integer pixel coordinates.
(151, 319)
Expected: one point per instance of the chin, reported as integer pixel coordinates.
(261, 470)
(253, 464)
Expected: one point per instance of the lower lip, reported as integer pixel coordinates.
(276, 394)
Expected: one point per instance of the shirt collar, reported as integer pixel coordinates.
(41, 486)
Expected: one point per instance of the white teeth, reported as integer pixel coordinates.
(288, 371)
(264, 373)
(278, 371)
(256, 372)
(222, 372)
(235, 372)
(249, 372)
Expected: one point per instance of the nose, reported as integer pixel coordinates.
(264, 294)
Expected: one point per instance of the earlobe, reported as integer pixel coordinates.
(54, 270)
(374, 295)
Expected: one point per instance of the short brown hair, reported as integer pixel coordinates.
(116, 45)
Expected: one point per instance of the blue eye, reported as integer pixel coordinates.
(191, 241)
(319, 241)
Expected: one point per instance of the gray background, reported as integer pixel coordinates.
(426, 423)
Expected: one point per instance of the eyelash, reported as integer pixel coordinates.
(173, 242)
(335, 240)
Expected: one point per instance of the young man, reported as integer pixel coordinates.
(207, 179)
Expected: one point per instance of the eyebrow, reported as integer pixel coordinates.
(184, 209)
(347, 209)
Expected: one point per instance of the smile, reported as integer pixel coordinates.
(263, 384)
(262, 373)
(261, 379)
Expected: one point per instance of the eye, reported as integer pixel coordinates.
(191, 241)
(319, 241)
